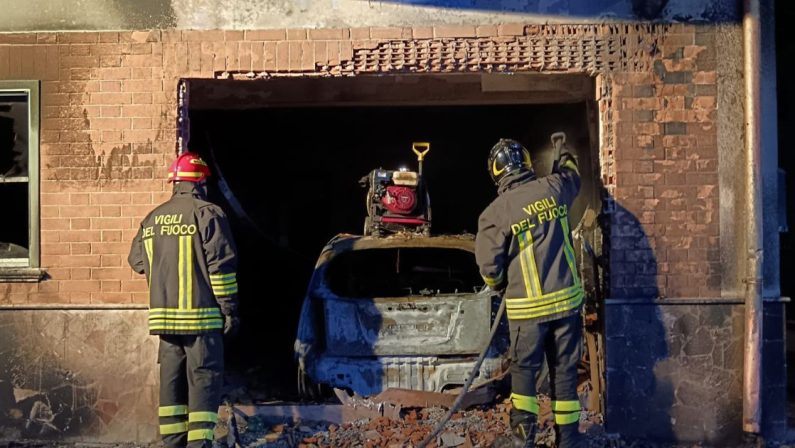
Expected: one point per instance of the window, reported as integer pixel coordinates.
(19, 181)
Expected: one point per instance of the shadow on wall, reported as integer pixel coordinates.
(638, 403)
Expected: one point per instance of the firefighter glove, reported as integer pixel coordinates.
(231, 325)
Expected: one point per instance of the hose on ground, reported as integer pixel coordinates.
(454, 408)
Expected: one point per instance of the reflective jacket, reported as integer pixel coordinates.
(524, 244)
(185, 248)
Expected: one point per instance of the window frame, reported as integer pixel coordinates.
(20, 269)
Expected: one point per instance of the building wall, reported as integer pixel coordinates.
(80, 375)
(108, 107)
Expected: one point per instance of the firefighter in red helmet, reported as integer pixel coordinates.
(185, 248)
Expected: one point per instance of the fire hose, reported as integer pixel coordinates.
(457, 404)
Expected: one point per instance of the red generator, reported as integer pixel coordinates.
(398, 201)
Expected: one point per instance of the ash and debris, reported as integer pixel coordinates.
(473, 428)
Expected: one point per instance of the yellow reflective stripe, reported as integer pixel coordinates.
(185, 328)
(185, 174)
(568, 249)
(566, 405)
(525, 403)
(558, 307)
(175, 313)
(567, 419)
(569, 164)
(185, 272)
(531, 305)
(523, 301)
(181, 273)
(174, 428)
(209, 417)
(149, 251)
(200, 434)
(222, 277)
(169, 411)
(163, 320)
(225, 291)
(492, 282)
(526, 275)
(190, 325)
(189, 269)
(224, 285)
(531, 259)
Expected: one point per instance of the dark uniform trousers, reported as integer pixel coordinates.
(559, 341)
(191, 370)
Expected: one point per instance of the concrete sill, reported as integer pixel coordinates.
(21, 275)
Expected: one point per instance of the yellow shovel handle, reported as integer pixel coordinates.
(420, 148)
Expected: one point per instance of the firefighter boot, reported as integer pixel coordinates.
(523, 431)
(569, 436)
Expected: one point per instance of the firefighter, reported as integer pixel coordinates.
(185, 248)
(524, 251)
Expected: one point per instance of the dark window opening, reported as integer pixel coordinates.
(14, 225)
(14, 191)
(403, 272)
(14, 135)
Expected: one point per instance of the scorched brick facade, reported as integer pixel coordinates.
(108, 131)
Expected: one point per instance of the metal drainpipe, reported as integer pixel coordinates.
(752, 409)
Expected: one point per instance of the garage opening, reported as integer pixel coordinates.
(287, 154)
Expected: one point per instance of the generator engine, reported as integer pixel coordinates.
(397, 200)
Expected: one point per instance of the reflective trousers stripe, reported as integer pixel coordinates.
(525, 403)
(209, 417)
(200, 434)
(566, 405)
(169, 411)
(174, 428)
(567, 419)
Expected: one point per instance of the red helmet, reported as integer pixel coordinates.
(188, 167)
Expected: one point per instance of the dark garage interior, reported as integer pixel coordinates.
(292, 159)
(785, 45)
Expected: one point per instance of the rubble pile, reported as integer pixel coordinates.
(478, 427)
(474, 428)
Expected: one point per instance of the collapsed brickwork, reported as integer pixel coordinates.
(108, 132)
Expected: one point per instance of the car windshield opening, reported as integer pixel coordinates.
(398, 272)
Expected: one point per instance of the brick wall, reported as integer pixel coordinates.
(108, 106)
(666, 230)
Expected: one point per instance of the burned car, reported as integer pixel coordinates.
(406, 311)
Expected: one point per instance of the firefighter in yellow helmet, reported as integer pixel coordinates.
(523, 249)
(185, 248)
